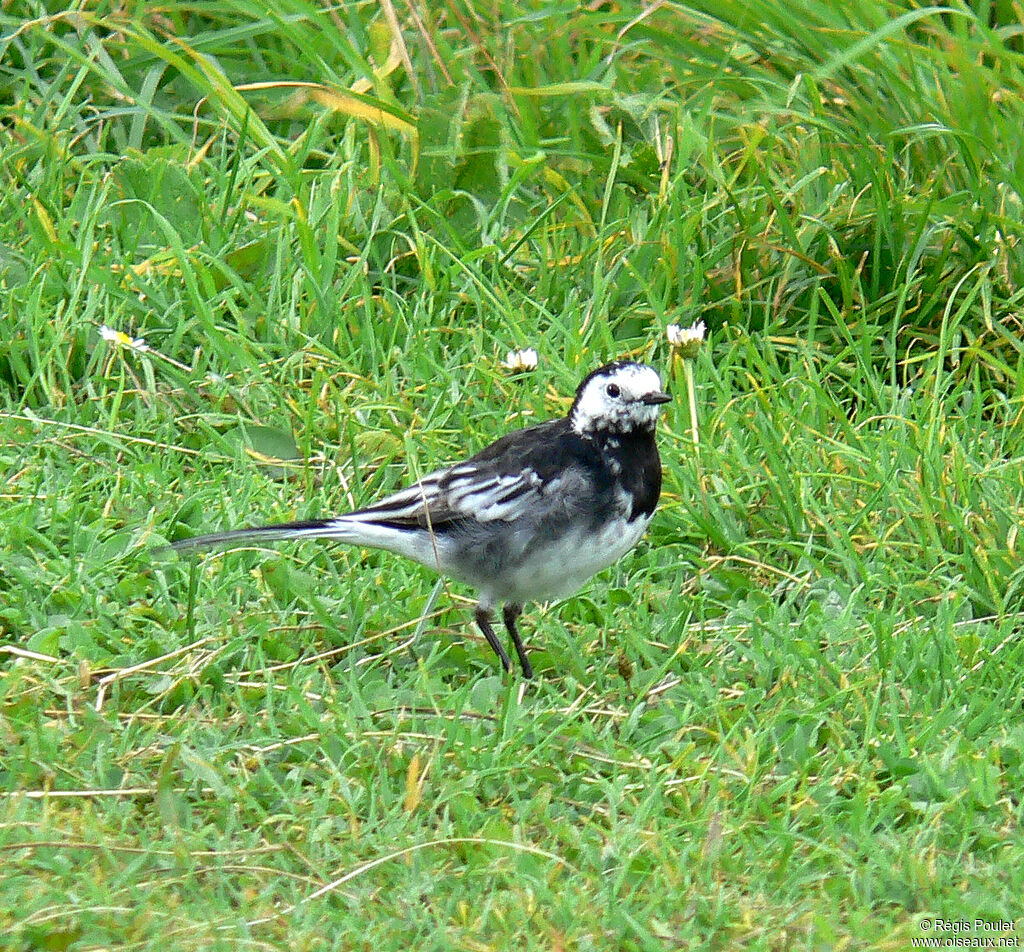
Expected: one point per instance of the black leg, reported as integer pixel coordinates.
(483, 619)
(510, 613)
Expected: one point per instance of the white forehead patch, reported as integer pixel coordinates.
(599, 407)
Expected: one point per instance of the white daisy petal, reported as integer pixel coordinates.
(124, 340)
(520, 360)
(686, 341)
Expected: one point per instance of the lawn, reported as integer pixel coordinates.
(791, 718)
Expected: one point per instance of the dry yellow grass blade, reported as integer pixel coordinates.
(339, 100)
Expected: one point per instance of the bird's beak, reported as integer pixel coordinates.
(653, 399)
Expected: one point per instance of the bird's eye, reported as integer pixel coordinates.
(612, 390)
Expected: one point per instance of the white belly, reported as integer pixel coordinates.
(562, 567)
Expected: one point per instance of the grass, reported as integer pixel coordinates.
(789, 719)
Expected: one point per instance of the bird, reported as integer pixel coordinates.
(529, 518)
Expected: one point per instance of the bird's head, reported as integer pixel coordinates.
(618, 398)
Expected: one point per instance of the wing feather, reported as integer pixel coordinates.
(441, 502)
(501, 483)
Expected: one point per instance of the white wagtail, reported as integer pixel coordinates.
(532, 516)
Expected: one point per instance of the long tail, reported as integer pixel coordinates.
(308, 529)
(356, 528)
